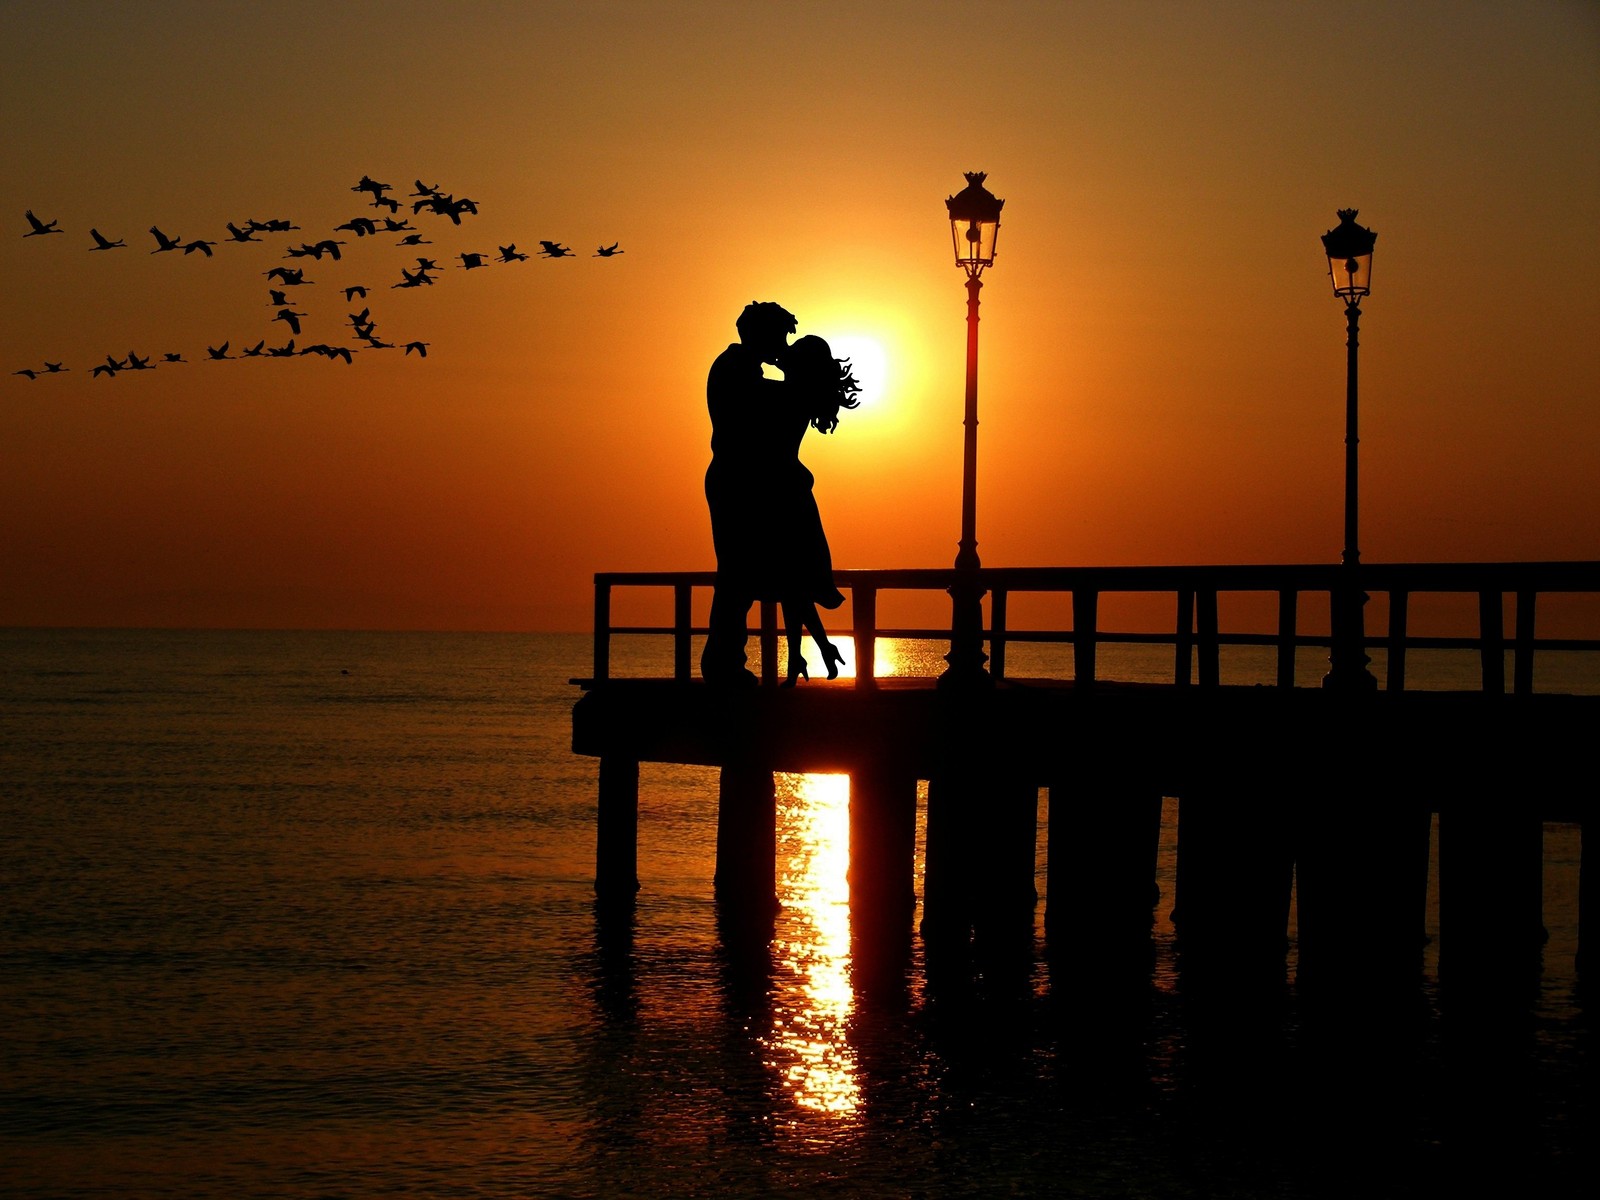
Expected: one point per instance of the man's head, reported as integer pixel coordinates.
(765, 328)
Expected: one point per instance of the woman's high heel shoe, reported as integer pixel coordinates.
(832, 656)
(797, 669)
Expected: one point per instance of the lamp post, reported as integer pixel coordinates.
(1349, 250)
(974, 226)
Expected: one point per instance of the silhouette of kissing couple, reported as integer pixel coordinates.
(764, 520)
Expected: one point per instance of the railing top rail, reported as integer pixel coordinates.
(1576, 576)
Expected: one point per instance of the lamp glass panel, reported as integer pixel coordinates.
(1351, 276)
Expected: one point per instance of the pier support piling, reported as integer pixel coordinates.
(1005, 847)
(1361, 870)
(747, 841)
(883, 833)
(1235, 873)
(1100, 891)
(616, 874)
(1491, 895)
(979, 861)
(947, 874)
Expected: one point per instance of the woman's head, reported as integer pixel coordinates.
(827, 382)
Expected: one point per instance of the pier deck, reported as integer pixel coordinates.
(1445, 746)
(1328, 791)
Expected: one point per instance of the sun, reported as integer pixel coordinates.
(868, 361)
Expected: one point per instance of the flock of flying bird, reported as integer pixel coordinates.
(281, 279)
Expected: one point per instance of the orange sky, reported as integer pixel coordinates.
(1162, 361)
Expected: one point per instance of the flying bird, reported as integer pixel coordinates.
(51, 368)
(287, 277)
(254, 351)
(553, 250)
(106, 369)
(423, 189)
(469, 261)
(409, 279)
(289, 315)
(135, 363)
(247, 234)
(285, 351)
(279, 300)
(173, 358)
(218, 352)
(414, 239)
(199, 244)
(350, 293)
(101, 242)
(386, 202)
(369, 184)
(41, 226)
(447, 206)
(25, 371)
(360, 226)
(276, 225)
(163, 242)
(328, 351)
(607, 251)
(420, 347)
(390, 225)
(511, 254)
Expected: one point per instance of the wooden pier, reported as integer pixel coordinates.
(1329, 792)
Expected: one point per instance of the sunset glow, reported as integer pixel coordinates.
(1161, 372)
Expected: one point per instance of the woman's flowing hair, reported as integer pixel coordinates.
(827, 382)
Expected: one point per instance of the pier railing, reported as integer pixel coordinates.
(1191, 593)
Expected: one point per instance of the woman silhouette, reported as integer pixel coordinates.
(818, 385)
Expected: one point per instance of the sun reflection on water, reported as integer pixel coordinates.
(809, 1044)
(891, 656)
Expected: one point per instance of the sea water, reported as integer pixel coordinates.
(311, 914)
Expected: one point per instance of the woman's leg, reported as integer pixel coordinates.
(794, 617)
(831, 657)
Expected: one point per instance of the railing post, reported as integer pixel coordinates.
(1395, 675)
(1183, 646)
(769, 642)
(1522, 659)
(602, 629)
(1492, 640)
(681, 626)
(1085, 619)
(864, 612)
(1288, 602)
(997, 633)
(1210, 665)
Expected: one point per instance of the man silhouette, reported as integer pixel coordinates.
(744, 410)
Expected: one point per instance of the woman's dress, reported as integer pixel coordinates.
(801, 563)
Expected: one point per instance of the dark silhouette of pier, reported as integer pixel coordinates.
(1327, 792)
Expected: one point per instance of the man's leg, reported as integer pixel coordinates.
(724, 656)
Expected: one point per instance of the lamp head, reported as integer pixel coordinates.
(1349, 250)
(974, 223)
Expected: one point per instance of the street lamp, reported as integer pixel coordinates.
(1349, 250)
(974, 227)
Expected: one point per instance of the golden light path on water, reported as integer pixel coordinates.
(809, 1045)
